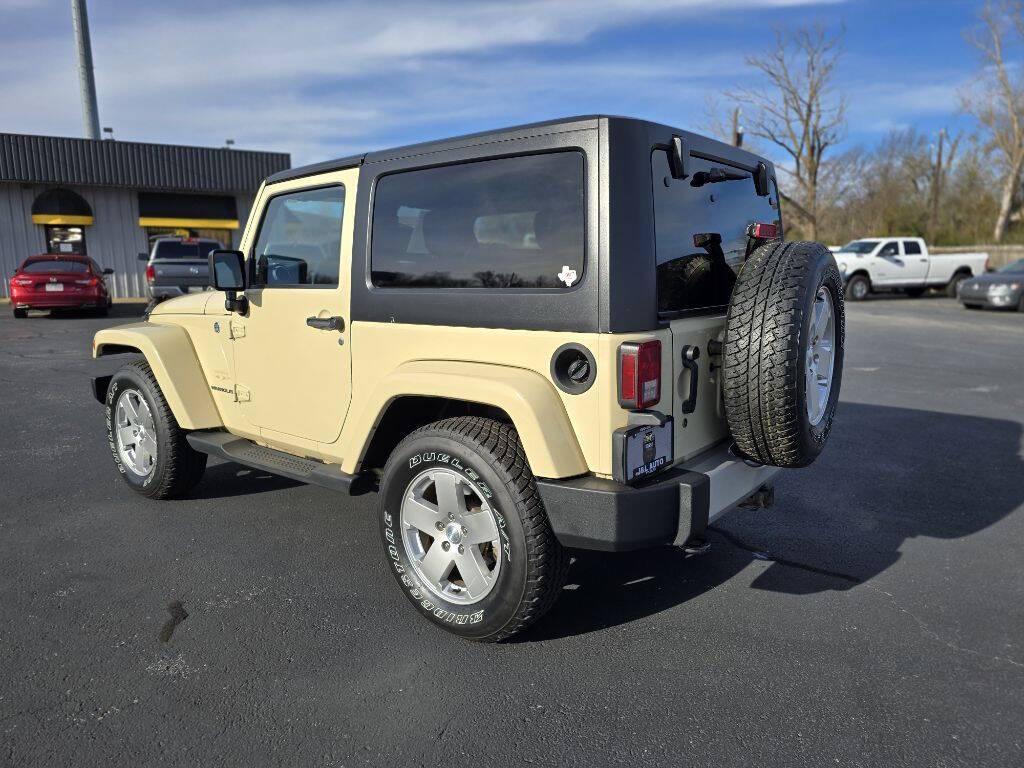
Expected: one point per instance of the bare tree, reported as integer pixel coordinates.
(798, 112)
(998, 101)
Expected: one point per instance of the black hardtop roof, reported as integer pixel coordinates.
(561, 125)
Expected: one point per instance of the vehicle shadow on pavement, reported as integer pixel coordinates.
(226, 479)
(888, 475)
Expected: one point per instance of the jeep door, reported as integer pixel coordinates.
(293, 366)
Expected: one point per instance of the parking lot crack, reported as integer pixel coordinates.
(927, 631)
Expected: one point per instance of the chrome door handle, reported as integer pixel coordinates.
(326, 323)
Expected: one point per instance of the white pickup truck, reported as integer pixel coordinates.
(903, 264)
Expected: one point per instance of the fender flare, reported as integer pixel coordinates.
(528, 398)
(166, 348)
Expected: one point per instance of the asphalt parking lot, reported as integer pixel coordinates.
(874, 617)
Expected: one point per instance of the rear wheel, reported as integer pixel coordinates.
(953, 286)
(858, 287)
(20, 314)
(465, 532)
(783, 354)
(149, 448)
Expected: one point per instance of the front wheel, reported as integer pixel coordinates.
(465, 532)
(149, 448)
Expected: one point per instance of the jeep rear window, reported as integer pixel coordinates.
(701, 232)
(515, 222)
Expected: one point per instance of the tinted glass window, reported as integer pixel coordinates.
(1016, 267)
(55, 265)
(701, 231)
(514, 222)
(911, 247)
(177, 249)
(889, 249)
(860, 246)
(300, 238)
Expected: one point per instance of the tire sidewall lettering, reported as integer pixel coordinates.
(440, 611)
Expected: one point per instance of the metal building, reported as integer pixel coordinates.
(109, 198)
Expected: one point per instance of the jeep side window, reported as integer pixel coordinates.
(890, 249)
(515, 222)
(299, 240)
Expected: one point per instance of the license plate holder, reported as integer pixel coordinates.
(55, 286)
(644, 449)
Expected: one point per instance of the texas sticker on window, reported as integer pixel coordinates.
(567, 275)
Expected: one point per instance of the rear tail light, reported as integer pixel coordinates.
(761, 231)
(639, 374)
(93, 281)
(22, 281)
(150, 274)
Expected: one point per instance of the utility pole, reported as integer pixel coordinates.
(86, 80)
(737, 129)
(936, 190)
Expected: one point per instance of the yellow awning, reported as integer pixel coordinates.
(60, 218)
(158, 221)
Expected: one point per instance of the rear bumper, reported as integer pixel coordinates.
(993, 301)
(592, 513)
(57, 302)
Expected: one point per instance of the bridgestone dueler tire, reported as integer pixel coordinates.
(534, 565)
(765, 353)
(178, 467)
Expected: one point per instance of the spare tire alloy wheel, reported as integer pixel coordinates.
(465, 533)
(783, 353)
(820, 356)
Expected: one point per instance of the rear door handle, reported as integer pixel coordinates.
(326, 323)
(690, 355)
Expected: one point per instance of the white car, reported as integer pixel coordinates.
(903, 264)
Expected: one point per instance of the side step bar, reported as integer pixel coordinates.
(247, 453)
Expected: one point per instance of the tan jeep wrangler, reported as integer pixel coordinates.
(583, 333)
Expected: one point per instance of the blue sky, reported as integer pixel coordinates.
(323, 79)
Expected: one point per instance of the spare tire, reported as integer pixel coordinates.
(783, 353)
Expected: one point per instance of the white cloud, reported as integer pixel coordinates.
(324, 78)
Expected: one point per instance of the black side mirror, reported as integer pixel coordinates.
(227, 273)
(108, 271)
(143, 257)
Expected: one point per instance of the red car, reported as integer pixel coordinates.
(60, 281)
